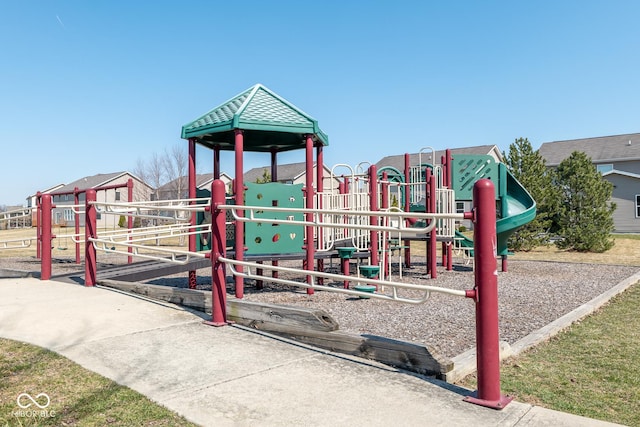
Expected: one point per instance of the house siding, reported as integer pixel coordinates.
(630, 166)
(60, 218)
(624, 193)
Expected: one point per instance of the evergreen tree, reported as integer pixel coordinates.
(266, 177)
(528, 167)
(585, 217)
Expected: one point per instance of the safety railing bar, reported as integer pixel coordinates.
(181, 230)
(341, 277)
(402, 214)
(124, 207)
(150, 229)
(24, 243)
(399, 227)
(329, 288)
(173, 252)
(142, 237)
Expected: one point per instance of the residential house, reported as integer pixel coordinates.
(63, 198)
(179, 188)
(291, 173)
(617, 158)
(32, 202)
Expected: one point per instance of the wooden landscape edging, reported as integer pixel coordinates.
(310, 326)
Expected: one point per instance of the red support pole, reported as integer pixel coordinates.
(76, 228)
(433, 244)
(385, 207)
(407, 206)
(319, 190)
(486, 298)
(373, 220)
(130, 218)
(446, 170)
(192, 195)
(218, 249)
(309, 243)
(39, 225)
(45, 238)
(90, 232)
(216, 162)
(239, 199)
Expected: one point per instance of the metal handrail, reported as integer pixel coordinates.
(97, 242)
(339, 277)
(23, 243)
(400, 215)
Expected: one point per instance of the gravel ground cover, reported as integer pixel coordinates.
(532, 294)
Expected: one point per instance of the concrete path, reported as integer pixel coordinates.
(231, 376)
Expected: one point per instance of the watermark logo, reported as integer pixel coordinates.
(34, 407)
(33, 401)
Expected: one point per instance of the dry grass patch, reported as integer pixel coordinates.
(77, 396)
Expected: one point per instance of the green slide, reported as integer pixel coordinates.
(515, 205)
(518, 208)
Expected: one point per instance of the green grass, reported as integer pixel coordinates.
(77, 396)
(591, 369)
(626, 236)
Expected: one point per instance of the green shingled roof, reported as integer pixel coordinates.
(269, 123)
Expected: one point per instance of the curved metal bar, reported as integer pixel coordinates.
(101, 244)
(400, 227)
(340, 278)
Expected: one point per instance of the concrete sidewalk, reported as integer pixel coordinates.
(232, 376)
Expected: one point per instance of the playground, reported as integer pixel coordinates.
(384, 247)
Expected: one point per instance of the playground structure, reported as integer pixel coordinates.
(273, 221)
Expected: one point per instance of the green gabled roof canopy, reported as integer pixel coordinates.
(270, 123)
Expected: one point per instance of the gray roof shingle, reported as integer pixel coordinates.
(604, 149)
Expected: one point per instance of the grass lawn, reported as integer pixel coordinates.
(591, 369)
(77, 397)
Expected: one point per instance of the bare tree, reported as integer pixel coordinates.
(176, 170)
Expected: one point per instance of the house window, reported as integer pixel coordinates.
(607, 167)
(68, 215)
(459, 207)
(637, 205)
(117, 196)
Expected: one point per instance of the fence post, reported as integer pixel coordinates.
(486, 298)
(218, 249)
(90, 233)
(45, 237)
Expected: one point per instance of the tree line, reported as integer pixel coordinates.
(574, 208)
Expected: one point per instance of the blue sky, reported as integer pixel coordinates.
(92, 86)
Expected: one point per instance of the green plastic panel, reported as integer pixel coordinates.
(264, 238)
(469, 168)
(203, 241)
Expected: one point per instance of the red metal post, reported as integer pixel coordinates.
(46, 236)
(76, 228)
(192, 195)
(385, 207)
(407, 206)
(218, 249)
(216, 162)
(90, 232)
(274, 166)
(486, 297)
(130, 218)
(309, 243)
(319, 190)
(446, 170)
(39, 225)
(239, 199)
(373, 220)
(433, 244)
